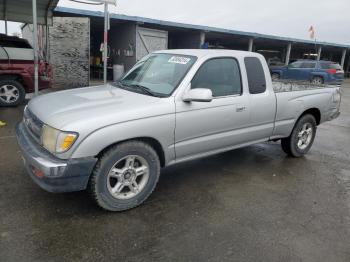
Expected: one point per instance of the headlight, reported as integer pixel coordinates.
(57, 141)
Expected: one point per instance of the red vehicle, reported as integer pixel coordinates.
(17, 70)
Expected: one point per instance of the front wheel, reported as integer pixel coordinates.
(301, 138)
(12, 93)
(125, 176)
(275, 76)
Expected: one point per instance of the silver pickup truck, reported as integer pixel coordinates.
(172, 106)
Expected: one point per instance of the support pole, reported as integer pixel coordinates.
(201, 39)
(5, 16)
(289, 48)
(105, 42)
(319, 51)
(35, 47)
(343, 58)
(250, 44)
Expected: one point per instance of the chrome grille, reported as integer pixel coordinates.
(33, 124)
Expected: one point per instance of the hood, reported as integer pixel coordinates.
(95, 107)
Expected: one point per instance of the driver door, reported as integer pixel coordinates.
(203, 127)
(294, 71)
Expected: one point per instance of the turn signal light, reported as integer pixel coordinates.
(67, 142)
(37, 172)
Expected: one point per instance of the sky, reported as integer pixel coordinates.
(330, 18)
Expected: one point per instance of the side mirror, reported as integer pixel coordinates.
(198, 95)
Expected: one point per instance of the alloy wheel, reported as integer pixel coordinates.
(128, 177)
(305, 136)
(9, 93)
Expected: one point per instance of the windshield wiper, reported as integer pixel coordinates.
(143, 89)
(119, 84)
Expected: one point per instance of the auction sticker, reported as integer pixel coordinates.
(179, 60)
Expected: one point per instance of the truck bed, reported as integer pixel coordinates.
(289, 86)
(294, 97)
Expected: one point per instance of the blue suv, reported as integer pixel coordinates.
(317, 72)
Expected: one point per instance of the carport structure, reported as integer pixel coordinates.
(76, 37)
(29, 11)
(284, 48)
(181, 35)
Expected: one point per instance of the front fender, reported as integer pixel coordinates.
(277, 71)
(160, 128)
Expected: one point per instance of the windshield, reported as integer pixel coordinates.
(157, 74)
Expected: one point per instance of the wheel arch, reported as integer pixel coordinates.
(276, 73)
(11, 77)
(16, 77)
(315, 112)
(154, 143)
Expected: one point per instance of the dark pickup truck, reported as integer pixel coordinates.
(17, 70)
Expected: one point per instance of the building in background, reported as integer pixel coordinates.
(72, 44)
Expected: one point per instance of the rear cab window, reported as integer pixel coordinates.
(255, 75)
(308, 65)
(330, 66)
(296, 64)
(3, 54)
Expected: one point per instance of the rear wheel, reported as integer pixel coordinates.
(125, 176)
(317, 80)
(12, 93)
(301, 138)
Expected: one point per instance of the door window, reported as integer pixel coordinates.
(220, 75)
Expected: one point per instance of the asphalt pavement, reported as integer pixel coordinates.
(250, 204)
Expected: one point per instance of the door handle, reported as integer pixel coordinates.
(241, 109)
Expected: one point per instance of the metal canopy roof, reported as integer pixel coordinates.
(137, 19)
(21, 10)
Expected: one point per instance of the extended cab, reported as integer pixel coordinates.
(172, 106)
(17, 70)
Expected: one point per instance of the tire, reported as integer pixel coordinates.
(317, 80)
(12, 93)
(275, 76)
(301, 138)
(113, 181)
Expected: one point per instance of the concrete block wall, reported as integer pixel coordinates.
(69, 40)
(68, 50)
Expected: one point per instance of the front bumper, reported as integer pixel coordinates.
(56, 175)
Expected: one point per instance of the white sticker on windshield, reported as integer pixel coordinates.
(179, 60)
